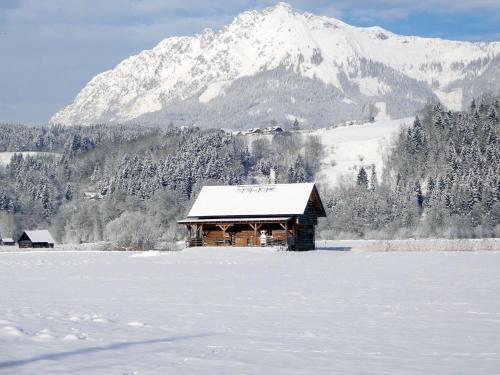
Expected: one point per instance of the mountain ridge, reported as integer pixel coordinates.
(278, 64)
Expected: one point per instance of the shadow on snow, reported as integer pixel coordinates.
(334, 248)
(94, 349)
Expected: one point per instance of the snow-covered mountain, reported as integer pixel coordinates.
(278, 64)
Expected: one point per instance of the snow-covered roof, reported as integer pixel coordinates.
(252, 200)
(40, 236)
(234, 219)
(6, 240)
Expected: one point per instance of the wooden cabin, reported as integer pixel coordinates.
(36, 239)
(7, 242)
(255, 215)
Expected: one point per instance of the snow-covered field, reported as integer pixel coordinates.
(237, 311)
(348, 147)
(430, 244)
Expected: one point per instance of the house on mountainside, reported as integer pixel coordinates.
(36, 239)
(255, 215)
(269, 130)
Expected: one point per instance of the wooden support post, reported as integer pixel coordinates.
(188, 228)
(224, 228)
(201, 233)
(286, 235)
(295, 239)
(314, 239)
(255, 228)
(285, 226)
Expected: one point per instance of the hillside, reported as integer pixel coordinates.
(280, 65)
(436, 177)
(441, 179)
(346, 148)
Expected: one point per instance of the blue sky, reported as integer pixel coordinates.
(49, 49)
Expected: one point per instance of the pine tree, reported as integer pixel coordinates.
(373, 179)
(362, 179)
(431, 184)
(297, 172)
(68, 195)
(76, 143)
(492, 114)
(473, 106)
(438, 122)
(418, 136)
(419, 194)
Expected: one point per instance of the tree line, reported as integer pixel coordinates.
(441, 179)
(100, 178)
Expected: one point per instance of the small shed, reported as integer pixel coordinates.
(7, 242)
(36, 239)
(255, 215)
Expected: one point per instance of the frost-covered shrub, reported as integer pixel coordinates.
(132, 231)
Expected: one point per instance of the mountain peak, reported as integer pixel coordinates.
(280, 10)
(281, 6)
(279, 64)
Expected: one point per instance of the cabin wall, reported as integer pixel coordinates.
(304, 237)
(25, 244)
(241, 235)
(309, 217)
(43, 245)
(213, 236)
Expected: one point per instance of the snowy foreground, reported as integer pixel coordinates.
(236, 311)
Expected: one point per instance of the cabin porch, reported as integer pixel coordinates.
(240, 233)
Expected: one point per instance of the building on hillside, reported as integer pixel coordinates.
(7, 242)
(92, 195)
(36, 239)
(268, 130)
(255, 215)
